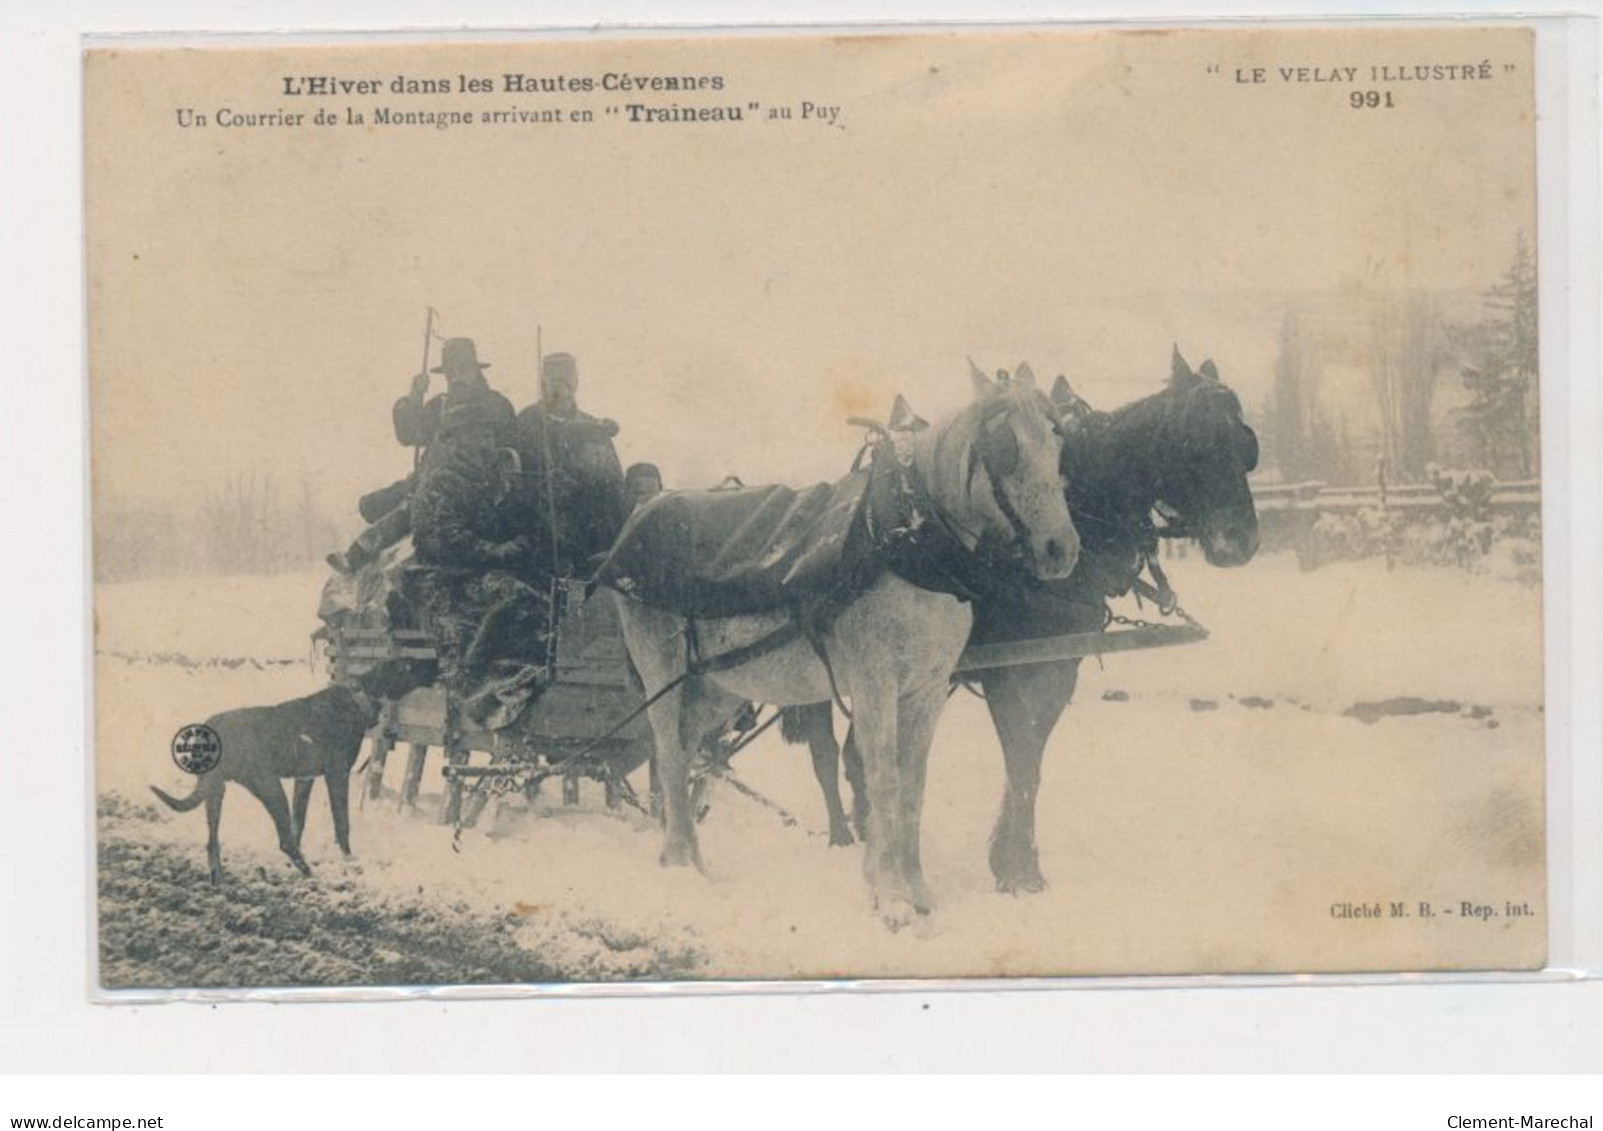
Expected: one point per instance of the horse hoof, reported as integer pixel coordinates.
(680, 856)
(841, 838)
(1021, 885)
(896, 913)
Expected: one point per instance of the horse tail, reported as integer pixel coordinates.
(798, 725)
(183, 805)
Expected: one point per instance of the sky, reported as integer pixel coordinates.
(734, 290)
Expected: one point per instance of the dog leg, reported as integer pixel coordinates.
(303, 798)
(271, 794)
(214, 817)
(339, 801)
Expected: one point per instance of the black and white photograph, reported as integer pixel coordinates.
(643, 509)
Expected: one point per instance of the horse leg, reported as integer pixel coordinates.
(1025, 704)
(875, 721)
(852, 762)
(917, 714)
(656, 647)
(679, 846)
(825, 753)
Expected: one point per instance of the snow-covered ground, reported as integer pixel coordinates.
(1215, 817)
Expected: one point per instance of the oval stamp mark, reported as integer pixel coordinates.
(197, 749)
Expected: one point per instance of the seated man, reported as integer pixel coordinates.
(483, 589)
(419, 423)
(468, 402)
(571, 454)
(641, 482)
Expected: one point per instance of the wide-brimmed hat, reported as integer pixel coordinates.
(558, 365)
(457, 353)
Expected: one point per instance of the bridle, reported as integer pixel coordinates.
(1000, 459)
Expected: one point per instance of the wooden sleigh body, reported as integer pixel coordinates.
(567, 730)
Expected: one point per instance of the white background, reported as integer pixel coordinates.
(47, 1024)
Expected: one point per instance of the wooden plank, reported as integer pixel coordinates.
(416, 755)
(1054, 649)
(375, 652)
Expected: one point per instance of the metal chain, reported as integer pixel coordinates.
(1137, 622)
(1168, 604)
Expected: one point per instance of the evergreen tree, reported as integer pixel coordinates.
(1501, 417)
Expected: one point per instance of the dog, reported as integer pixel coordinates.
(318, 736)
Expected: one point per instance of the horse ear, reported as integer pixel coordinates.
(904, 419)
(1179, 371)
(1024, 375)
(982, 384)
(1208, 370)
(1064, 398)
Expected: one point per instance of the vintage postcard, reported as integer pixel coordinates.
(960, 504)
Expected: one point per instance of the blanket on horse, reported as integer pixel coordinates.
(750, 550)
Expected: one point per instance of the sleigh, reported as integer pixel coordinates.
(583, 725)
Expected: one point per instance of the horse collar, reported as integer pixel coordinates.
(937, 555)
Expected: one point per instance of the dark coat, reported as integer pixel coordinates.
(418, 424)
(462, 520)
(586, 479)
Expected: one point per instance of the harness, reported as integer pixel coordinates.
(910, 536)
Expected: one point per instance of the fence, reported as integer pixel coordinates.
(1288, 513)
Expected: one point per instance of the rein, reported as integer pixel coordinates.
(932, 552)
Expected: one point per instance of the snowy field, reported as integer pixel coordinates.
(1205, 809)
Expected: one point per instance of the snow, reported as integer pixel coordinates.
(1174, 839)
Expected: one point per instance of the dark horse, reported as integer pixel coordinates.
(1182, 454)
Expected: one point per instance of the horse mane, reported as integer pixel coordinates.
(1150, 435)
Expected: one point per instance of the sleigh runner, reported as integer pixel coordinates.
(578, 727)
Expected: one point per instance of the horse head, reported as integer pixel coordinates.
(994, 470)
(1202, 453)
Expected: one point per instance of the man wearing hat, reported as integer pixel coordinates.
(540, 425)
(468, 401)
(482, 584)
(573, 453)
(468, 413)
(642, 481)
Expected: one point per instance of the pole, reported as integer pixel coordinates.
(428, 338)
(545, 449)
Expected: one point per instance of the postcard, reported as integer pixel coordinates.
(949, 503)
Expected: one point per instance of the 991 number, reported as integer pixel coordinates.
(1370, 100)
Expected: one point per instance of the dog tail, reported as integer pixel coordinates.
(183, 805)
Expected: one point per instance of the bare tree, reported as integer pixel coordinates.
(1406, 353)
